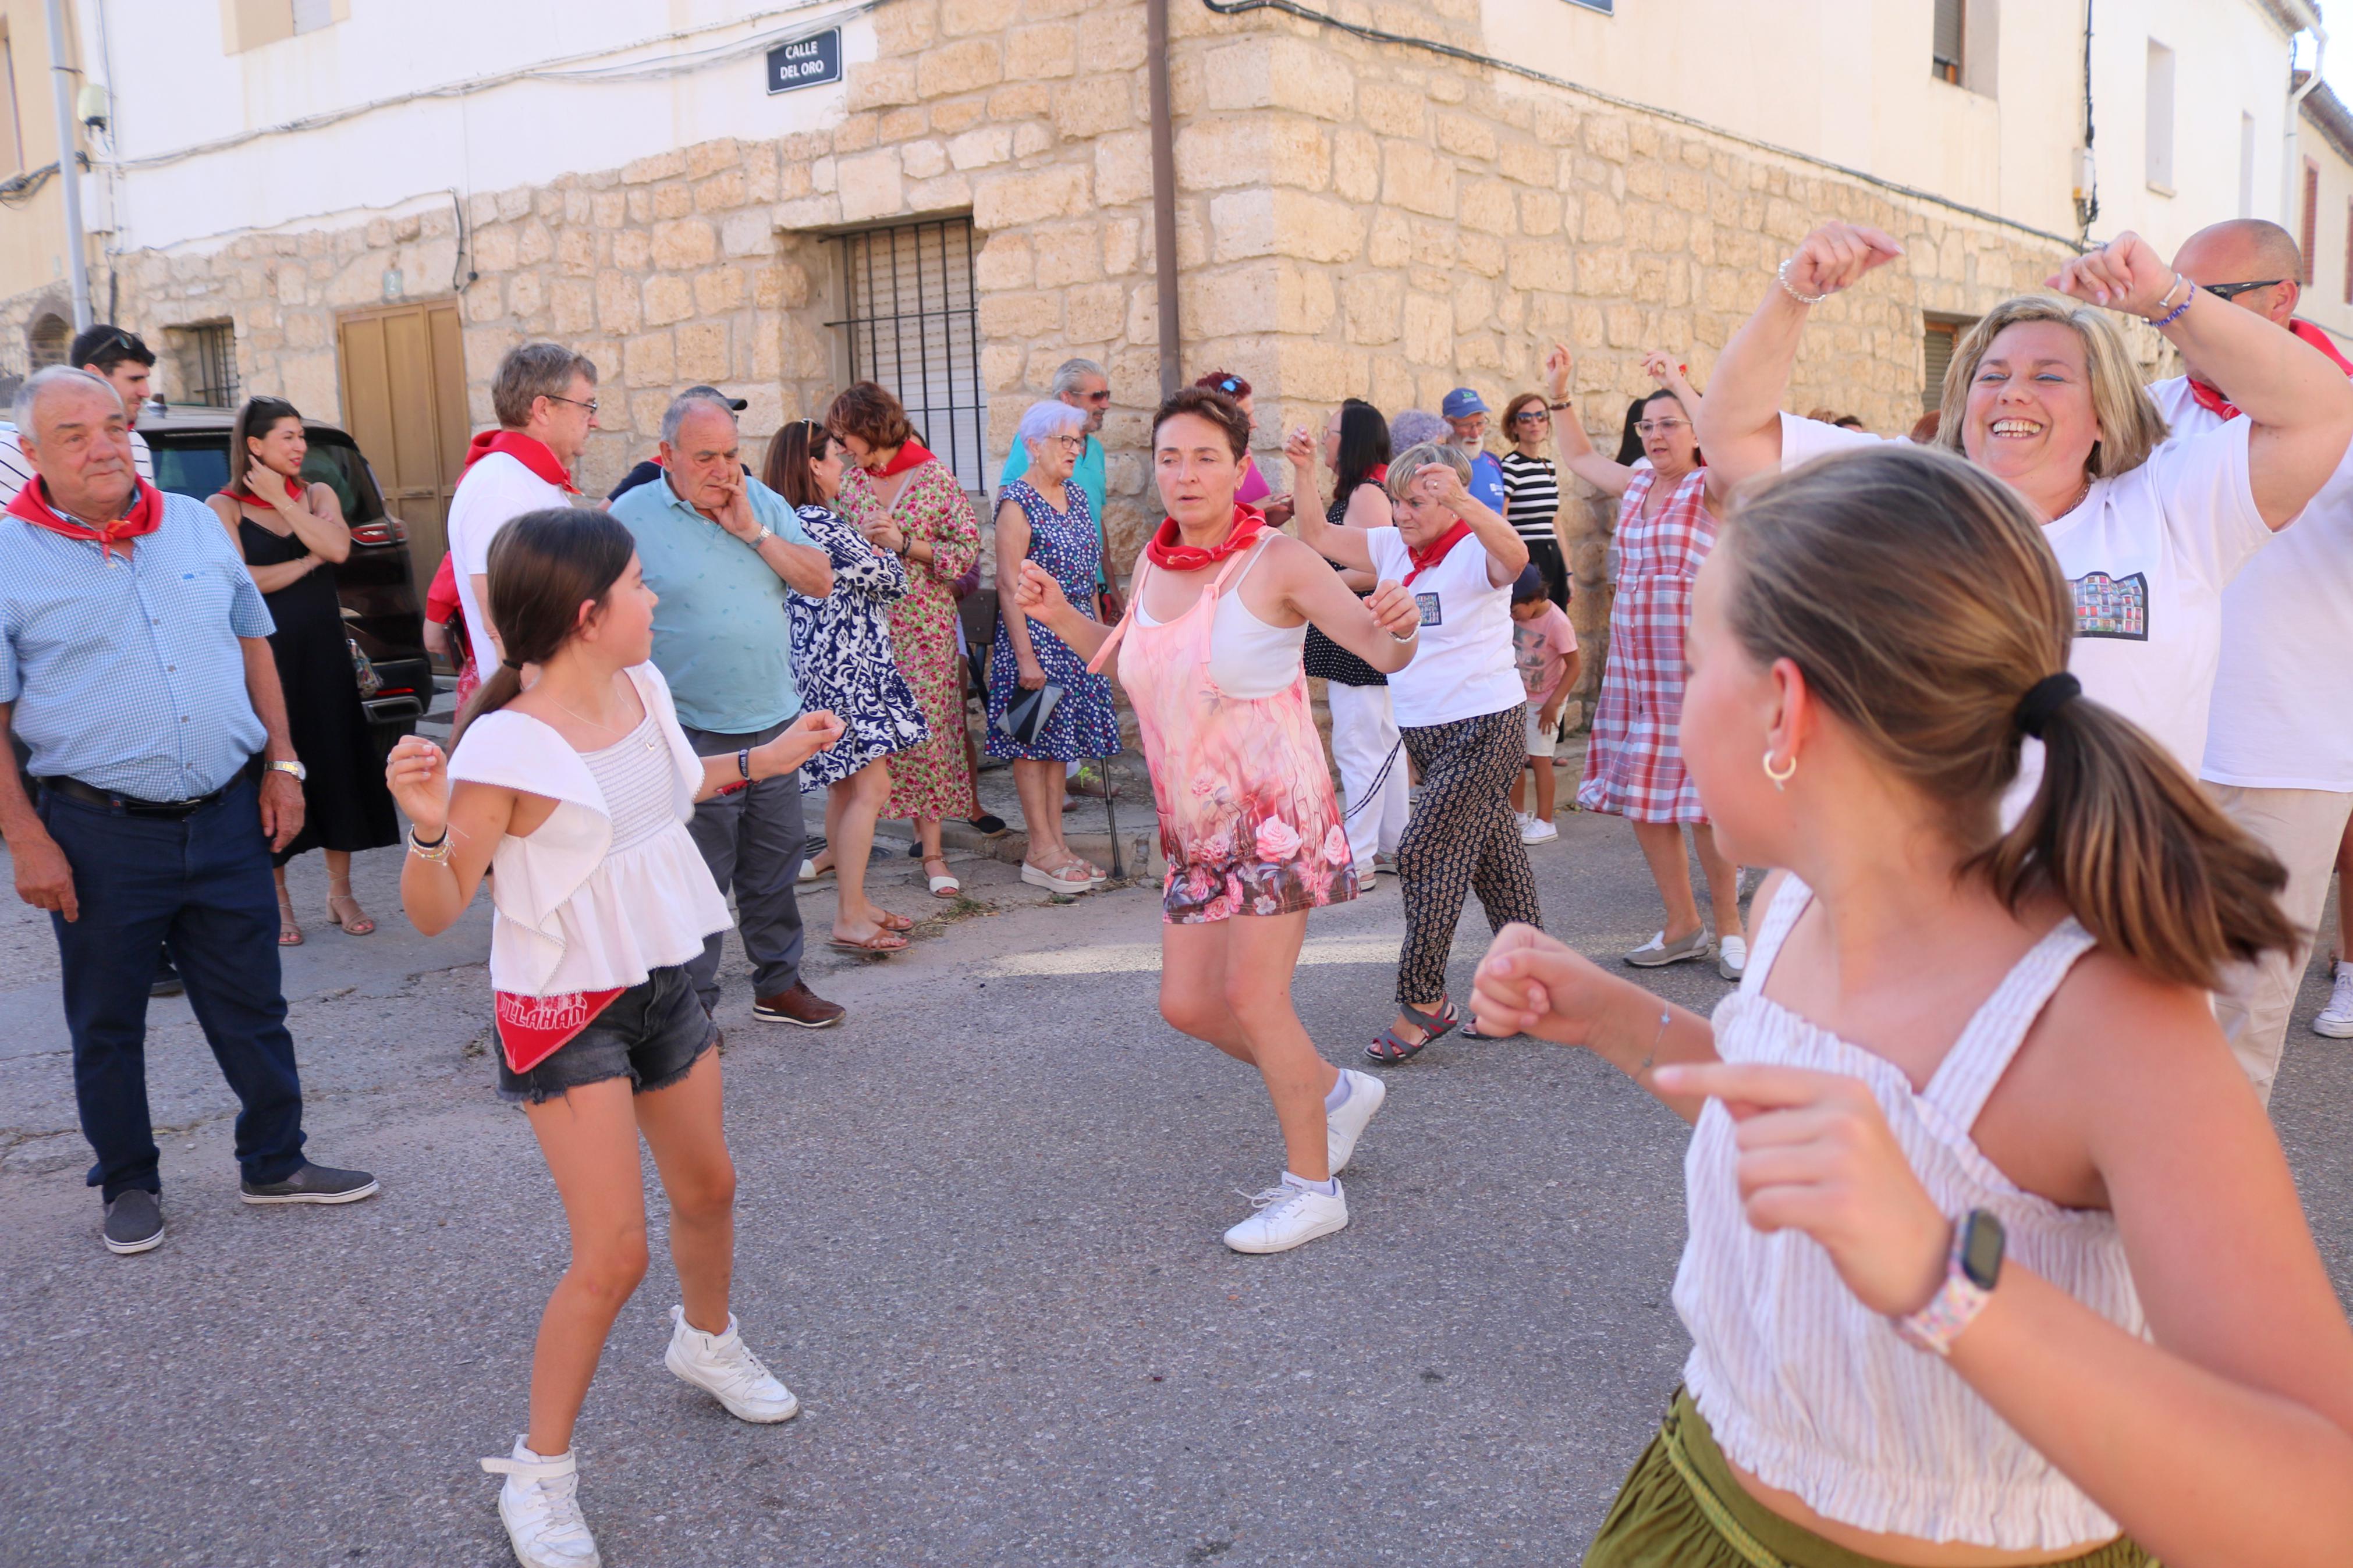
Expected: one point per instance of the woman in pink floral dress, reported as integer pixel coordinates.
(1210, 656)
(907, 501)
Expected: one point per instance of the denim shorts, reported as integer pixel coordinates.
(652, 1034)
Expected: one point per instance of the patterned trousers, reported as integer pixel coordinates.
(1462, 838)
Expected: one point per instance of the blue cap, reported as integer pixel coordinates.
(1461, 403)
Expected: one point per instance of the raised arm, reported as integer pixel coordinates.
(1507, 553)
(1383, 630)
(1343, 547)
(2300, 406)
(275, 575)
(1038, 596)
(1739, 427)
(1577, 454)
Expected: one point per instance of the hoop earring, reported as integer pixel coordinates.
(1783, 776)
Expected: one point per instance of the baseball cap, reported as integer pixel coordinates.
(737, 403)
(1461, 403)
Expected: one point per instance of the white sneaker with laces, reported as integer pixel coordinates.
(721, 1367)
(1343, 1127)
(2336, 1020)
(1732, 957)
(540, 1505)
(1535, 831)
(1290, 1216)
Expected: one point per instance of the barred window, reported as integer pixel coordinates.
(208, 355)
(913, 327)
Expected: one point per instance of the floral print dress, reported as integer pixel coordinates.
(842, 658)
(1084, 723)
(1248, 821)
(932, 779)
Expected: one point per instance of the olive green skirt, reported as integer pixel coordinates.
(1682, 1508)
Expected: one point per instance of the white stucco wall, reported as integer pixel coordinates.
(176, 88)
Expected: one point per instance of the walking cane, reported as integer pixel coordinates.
(1111, 816)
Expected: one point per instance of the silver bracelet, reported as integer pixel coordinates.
(1782, 275)
(1666, 1015)
(1409, 635)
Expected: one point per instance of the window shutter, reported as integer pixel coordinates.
(2308, 233)
(2349, 252)
(1944, 48)
(1936, 342)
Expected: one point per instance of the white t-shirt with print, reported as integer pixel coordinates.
(2148, 553)
(495, 491)
(16, 473)
(2282, 717)
(1464, 667)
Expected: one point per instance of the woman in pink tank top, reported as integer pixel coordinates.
(1248, 822)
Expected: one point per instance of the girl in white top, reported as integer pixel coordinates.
(2044, 395)
(1956, 1044)
(578, 790)
(1461, 711)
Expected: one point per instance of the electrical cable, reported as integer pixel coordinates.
(554, 71)
(1472, 57)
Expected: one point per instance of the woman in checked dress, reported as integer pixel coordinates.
(1634, 766)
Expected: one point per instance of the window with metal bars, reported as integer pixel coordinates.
(208, 353)
(912, 326)
(1945, 42)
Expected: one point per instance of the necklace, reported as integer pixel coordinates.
(593, 724)
(2071, 505)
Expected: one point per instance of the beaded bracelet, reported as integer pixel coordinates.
(437, 852)
(2175, 314)
(1782, 274)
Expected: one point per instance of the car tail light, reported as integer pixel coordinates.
(384, 531)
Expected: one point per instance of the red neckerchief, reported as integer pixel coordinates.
(1378, 474)
(529, 450)
(2209, 397)
(145, 516)
(245, 493)
(1166, 552)
(533, 1028)
(911, 454)
(1428, 555)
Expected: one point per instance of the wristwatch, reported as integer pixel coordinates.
(1971, 1273)
(297, 769)
(765, 534)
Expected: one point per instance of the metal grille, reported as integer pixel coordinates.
(912, 327)
(211, 358)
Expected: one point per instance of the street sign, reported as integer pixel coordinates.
(806, 62)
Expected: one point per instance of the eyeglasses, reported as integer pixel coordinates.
(1073, 443)
(1099, 399)
(2233, 290)
(1660, 427)
(1533, 416)
(590, 405)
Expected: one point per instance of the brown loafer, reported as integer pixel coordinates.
(798, 1005)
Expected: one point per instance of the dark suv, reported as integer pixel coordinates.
(377, 589)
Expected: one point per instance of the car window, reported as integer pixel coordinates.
(342, 469)
(191, 469)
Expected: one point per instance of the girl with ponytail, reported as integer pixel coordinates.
(1993, 1256)
(577, 789)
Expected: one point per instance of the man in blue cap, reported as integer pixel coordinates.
(1466, 416)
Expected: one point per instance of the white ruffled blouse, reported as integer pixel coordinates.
(573, 913)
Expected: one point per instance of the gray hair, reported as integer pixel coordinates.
(686, 403)
(39, 383)
(1071, 372)
(1412, 460)
(530, 372)
(1412, 427)
(1044, 421)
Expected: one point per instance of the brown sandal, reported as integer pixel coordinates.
(289, 933)
(882, 942)
(345, 912)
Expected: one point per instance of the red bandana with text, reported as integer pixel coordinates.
(1170, 554)
(528, 450)
(2211, 398)
(145, 516)
(533, 1028)
(1426, 556)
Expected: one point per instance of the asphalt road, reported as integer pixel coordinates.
(978, 1235)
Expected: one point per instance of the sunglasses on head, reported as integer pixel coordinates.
(1229, 387)
(2233, 290)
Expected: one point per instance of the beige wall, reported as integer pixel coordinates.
(33, 234)
(2326, 301)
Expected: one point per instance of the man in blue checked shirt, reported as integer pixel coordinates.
(135, 665)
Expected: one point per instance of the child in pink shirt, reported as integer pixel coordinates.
(1544, 644)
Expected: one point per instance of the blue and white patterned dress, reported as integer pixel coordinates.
(842, 659)
(1084, 723)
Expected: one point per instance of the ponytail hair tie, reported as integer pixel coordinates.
(2043, 699)
(511, 664)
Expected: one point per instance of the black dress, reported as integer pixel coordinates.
(345, 804)
(1321, 656)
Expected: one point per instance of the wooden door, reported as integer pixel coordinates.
(404, 385)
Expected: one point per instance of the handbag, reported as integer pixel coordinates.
(1025, 717)
(364, 670)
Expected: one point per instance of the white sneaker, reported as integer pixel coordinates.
(1343, 1127)
(721, 1367)
(2336, 1020)
(1732, 957)
(540, 1505)
(1535, 831)
(1288, 1217)
(1522, 821)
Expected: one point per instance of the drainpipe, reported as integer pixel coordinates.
(1163, 191)
(62, 90)
(2291, 183)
